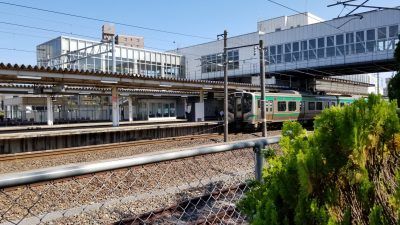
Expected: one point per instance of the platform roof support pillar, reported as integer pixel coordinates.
(130, 109)
(49, 111)
(201, 96)
(115, 107)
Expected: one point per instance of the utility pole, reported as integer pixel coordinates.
(225, 87)
(262, 84)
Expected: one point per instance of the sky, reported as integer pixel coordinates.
(205, 18)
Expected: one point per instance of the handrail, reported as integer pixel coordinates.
(53, 173)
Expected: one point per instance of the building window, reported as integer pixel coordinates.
(215, 62)
(360, 44)
(288, 51)
(296, 51)
(340, 45)
(371, 40)
(330, 43)
(350, 44)
(304, 50)
(382, 35)
(312, 46)
(321, 48)
(292, 106)
(281, 106)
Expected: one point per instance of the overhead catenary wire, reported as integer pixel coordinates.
(104, 20)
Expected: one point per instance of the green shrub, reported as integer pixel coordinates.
(342, 173)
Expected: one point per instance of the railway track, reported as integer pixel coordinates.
(103, 147)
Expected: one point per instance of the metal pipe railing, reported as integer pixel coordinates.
(48, 174)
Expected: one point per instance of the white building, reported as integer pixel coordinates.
(82, 54)
(303, 44)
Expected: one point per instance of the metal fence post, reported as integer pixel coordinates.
(259, 161)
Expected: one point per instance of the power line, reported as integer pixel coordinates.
(103, 20)
(17, 50)
(45, 29)
(305, 14)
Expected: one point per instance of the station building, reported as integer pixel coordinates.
(303, 45)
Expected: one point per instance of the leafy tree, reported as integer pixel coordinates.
(342, 173)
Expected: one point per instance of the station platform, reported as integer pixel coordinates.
(83, 125)
(17, 141)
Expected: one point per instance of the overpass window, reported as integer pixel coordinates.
(311, 105)
(330, 43)
(281, 106)
(381, 39)
(350, 43)
(304, 50)
(288, 50)
(326, 105)
(371, 40)
(166, 110)
(279, 55)
(340, 45)
(296, 51)
(292, 106)
(272, 52)
(321, 48)
(312, 46)
(393, 31)
(319, 105)
(333, 104)
(360, 45)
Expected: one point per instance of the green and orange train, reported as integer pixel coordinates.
(245, 107)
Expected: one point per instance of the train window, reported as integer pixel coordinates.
(281, 106)
(341, 104)
(259, 103)
(292, 106)
(326, 105)
(247, 102)
(319, 105)
(311, 105)
(231, 103)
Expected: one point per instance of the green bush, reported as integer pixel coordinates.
(342, 173)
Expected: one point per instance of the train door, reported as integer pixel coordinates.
(238, 109)
(302, 110)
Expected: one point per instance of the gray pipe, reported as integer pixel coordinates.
(48, 174)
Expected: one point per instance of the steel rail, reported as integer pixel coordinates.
(49, 174)
(101, 147)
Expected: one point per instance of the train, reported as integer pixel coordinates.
(244, 108)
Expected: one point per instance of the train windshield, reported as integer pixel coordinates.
(247, 102)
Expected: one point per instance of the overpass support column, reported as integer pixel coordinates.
(49, 111)
(115, 107)
(130, 109)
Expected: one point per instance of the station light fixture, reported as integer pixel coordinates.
(109, 81)
(29, 77)
(207, 88)
(165, 85)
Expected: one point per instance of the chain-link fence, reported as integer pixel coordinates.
(198, 185)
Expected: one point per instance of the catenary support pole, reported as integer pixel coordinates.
(115, 106)
(262, 84)
(225, 87)
(130, 108)
(49, 111)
